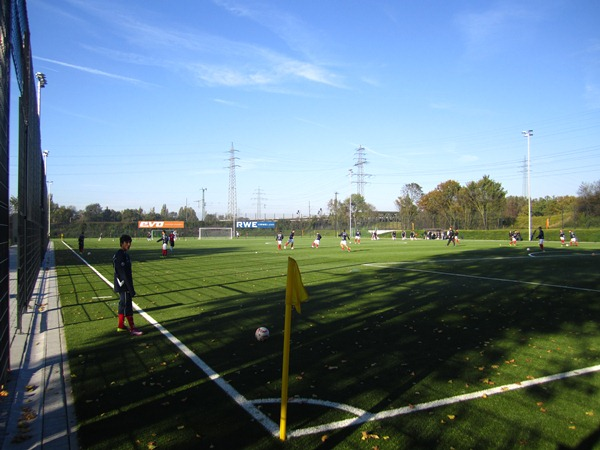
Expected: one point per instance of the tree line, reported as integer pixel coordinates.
(481, 204)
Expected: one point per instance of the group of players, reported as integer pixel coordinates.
(316, 242)
(344, 239)
(515, 236)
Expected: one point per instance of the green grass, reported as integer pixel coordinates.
(390, 325)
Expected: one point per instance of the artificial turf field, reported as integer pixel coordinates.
(402, 344)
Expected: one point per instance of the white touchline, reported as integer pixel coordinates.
(248, 406)
(362, 416)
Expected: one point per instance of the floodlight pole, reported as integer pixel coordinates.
(203, 203)
(49, 205)
(528, 135)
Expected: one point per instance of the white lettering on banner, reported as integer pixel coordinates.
(146, 224)
(245, 225)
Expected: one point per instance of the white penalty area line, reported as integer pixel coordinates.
(365, 416)
(247, 405)
(477, 277)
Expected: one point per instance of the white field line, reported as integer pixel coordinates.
(370, 417)
(248, 406)
(362, 416)
(477, 277)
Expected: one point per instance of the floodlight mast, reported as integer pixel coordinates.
(528, 135)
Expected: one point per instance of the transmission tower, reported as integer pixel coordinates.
(360, 174)
(259, 201)
(232, 202)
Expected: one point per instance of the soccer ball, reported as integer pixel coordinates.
(261, 334)
(527, 248)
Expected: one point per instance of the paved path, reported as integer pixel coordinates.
(38, 412)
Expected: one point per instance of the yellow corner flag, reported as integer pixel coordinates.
(295, 293)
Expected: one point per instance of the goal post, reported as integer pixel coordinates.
(215, 233)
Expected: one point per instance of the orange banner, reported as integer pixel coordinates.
(161, 224)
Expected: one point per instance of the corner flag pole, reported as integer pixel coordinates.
(285, 371)
(295, 294)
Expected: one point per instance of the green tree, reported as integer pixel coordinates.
(187, 214)
(92, 213)
(13, 206)
(487, 197)
(132, 215)
(443, 202)
(110, 215)
(588, 203)
(408, 203)
(63, 214)
(164, 212)
(513, 208)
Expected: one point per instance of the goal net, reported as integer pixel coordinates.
(215, 233)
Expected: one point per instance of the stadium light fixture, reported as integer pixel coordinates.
(45, 154)
(528, 135)
(42, 82)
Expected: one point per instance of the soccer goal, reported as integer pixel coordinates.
(215, 233)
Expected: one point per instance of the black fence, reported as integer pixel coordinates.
(32, 221)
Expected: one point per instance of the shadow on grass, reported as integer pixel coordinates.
(376, 338)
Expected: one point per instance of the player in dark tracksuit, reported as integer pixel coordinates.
(290, 241)
(540, 236)
(450, 237)
(81, 241)
(123, 285)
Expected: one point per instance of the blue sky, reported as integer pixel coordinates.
(145, 99)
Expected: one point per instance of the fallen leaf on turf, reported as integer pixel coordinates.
(589, 413)
(366, 435)
(181, 427)
(451, 416)
(151, 445)
(324, 438)
(572, 427)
